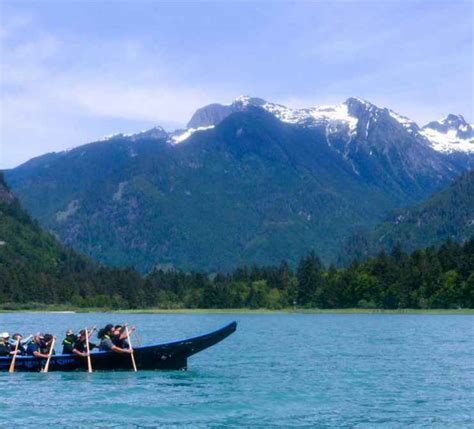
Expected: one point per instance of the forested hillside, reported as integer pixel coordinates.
(448, 214)
(35, 268)
(254, 184)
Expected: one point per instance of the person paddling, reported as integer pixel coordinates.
(46, 344)
(120, 337)
(106, 344)
(23, 342)
(68, 342)
(80, 346)
(5, 347)
(35, 348)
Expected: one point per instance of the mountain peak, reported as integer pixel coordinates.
(359, 101)
(353, 117)
(450, 134)
(247, 100)
(358, 107)
(454, 122)
(449, 122)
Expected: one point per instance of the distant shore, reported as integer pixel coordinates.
(69, 309)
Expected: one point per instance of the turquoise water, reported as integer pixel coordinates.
(287, 370)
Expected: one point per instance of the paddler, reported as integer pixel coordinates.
(68, 342)
(80, 346)
(119, 337)
(35, 348)
(106, 344)
(5, 346)
(46, 345)
(23, 343)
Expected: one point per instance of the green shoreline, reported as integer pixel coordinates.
(69, 309)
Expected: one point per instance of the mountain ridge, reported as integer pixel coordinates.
(252, 188)
(441, 135)
(346, 112)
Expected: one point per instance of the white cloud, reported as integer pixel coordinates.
(61, 87)
(50, 86)
(145, 101)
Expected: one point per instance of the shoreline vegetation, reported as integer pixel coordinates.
(40, 308)
(428, 279)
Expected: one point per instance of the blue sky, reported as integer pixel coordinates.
(75, 71)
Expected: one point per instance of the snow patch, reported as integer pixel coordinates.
(181, 137)
(244, 99)
(115, 136)
(336, 113)
(403, 120)
(313, 116)
(448, 142)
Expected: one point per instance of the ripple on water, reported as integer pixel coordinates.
(277, 370)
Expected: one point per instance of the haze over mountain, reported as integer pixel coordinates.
(247, 182)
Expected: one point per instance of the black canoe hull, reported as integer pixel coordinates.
(170, 356)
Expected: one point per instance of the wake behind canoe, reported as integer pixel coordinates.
(168, 356)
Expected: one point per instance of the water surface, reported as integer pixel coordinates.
(287, 370)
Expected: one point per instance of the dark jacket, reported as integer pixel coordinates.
(5, 349)
(68, 344)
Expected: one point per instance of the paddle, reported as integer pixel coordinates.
(89, 363)
(46, 367)
(131, 348)
(12, 365)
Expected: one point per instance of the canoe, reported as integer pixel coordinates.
(169, 356)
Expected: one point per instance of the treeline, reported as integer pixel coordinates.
(429, 278)
(35, 269)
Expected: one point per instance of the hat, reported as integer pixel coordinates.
(69, 332)
(5, 335)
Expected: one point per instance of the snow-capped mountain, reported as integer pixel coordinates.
(351, 120)
(334, 117)
(153, 133)
(314, 116)
(451, 134)
(240, 180)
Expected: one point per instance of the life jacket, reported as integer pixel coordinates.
(106, 337)
(68, 344)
